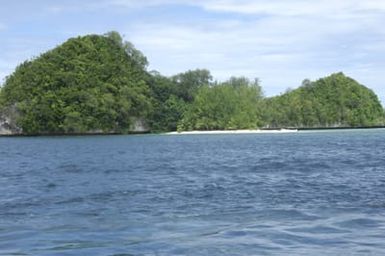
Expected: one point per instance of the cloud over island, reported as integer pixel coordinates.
(281, 42)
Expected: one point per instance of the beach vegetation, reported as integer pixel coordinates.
(101, 83)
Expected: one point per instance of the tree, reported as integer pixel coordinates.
(333, 101)
(129, 48)
(189, 82)
(229, 105)
(88, 83)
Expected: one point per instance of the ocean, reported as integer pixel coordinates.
(305, 193)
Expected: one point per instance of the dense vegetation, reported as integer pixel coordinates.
(333, 101)
(234, 104)
(101, 83)
(89, 83)
(172, 96)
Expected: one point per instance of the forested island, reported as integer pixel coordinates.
(100, 84)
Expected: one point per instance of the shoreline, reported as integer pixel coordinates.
(257, 131)
(247, 131)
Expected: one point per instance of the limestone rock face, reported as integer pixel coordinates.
(9, 127)
(4, 127)
(7, 122)
(139, 125)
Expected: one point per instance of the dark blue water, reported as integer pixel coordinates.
(319, 193)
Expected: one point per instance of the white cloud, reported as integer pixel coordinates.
(242, 49)
(294, 7)
(281, 48)
(283, 7)
(3, 26)
(281, 42)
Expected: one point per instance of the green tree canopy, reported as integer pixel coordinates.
(189, 82)
(101, 83)
(229, 105)
(88, 83)
(333, 101)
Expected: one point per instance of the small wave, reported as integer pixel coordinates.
(360, 223)
(70, 168)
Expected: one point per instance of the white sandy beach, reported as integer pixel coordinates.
(233, 132)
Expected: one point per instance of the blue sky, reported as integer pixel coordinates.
(281, 42)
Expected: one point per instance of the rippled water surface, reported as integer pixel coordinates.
(315, 193)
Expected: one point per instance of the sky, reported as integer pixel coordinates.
(281, 42)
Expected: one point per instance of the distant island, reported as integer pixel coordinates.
(100, 84)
